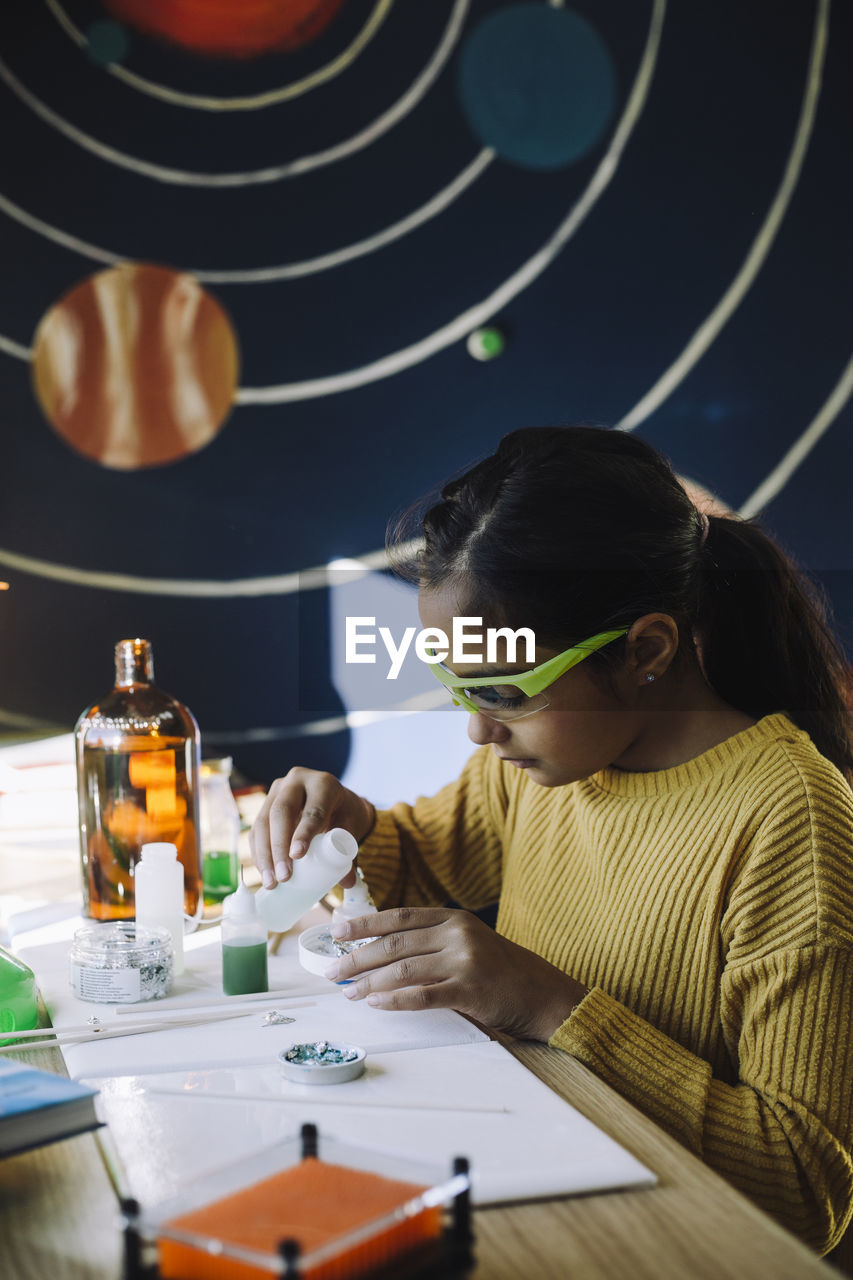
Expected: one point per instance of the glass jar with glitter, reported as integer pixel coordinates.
(120, 963)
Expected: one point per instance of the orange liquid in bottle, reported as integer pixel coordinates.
(137, 780)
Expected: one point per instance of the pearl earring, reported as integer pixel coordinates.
(650, 676)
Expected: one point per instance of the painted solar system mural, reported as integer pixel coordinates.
(272, 269)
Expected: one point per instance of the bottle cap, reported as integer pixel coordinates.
(356, 901)
(337, 847)
(159, 849)
(359, 896)
(242, 903)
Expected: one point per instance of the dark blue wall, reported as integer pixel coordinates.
(291, 485)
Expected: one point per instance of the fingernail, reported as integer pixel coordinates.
(339, 930)
(297, 848)
(282, 870)
(376, 1001)
(352, 993)
(269, 880)
(331, 973)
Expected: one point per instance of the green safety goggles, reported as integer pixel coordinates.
(520, 693)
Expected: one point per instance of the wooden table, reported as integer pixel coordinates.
(59, 1218)
(59, 1215)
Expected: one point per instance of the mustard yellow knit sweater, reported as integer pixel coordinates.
(709, 907)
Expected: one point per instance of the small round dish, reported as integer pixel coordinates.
(316, 950)
(306, 1064)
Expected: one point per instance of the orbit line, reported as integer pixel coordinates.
(519, 280)
(711, 326)
(284, 584)
(16, 349)
(774, 483)
(274, 173)
(461, 326)
(280, 584)
(699, 343)
(288, 583)
(431, 701)
(285, 271)
(252, 102)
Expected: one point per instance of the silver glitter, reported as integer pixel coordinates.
(325, 945)
(321, 1053)
(343, 948)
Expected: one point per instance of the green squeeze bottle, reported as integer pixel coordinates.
(18, 995)
(244, 945)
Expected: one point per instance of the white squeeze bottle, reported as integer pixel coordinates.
(356, 901)
(159, 891)
(244, 945)
(328, 857)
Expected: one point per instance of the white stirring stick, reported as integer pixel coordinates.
(185, 1004)
(98, 1026)
(51, 1037)
(413, 1105)
(239, 1006)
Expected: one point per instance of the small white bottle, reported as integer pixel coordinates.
(159, 892)
(244, 945)
(356, 901)
(327, 859)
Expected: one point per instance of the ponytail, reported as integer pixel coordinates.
(765, 639)
(576, 530)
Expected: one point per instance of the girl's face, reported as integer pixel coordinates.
(584, 728)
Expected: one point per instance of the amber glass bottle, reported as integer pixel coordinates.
(137, 782)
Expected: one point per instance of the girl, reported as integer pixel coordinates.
(661, 805)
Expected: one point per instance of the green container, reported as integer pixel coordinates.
(220, 875)
(244, 967)
(18, 995)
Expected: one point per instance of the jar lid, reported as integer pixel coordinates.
(318, 951)
(321, 1062)
(121, 941)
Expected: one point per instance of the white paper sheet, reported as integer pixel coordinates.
(474, 1100)
(435, 1086)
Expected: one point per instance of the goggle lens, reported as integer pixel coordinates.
(500, 701)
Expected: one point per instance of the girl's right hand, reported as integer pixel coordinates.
(298, 807)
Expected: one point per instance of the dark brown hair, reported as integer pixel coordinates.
(576, 530)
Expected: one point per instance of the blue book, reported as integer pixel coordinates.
(38, 1107)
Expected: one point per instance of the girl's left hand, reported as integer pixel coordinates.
(442, 958)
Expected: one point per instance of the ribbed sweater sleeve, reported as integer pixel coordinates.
(447, 846)
(783, 1134)
(709, 909)
(782, 1131)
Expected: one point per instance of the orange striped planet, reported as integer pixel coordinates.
(229, 28)
(136, 367)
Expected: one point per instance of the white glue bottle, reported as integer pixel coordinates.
(328, 857)
(159, 892)
(356, 901)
